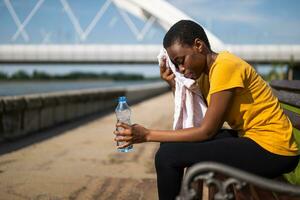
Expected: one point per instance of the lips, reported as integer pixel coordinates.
(189, 75)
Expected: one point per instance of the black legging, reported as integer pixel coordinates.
(225, 147)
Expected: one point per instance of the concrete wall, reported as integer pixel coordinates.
(22, 115)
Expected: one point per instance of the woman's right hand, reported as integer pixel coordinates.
(166, 73)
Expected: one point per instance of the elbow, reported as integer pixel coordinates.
(209, 133)
(201, 133)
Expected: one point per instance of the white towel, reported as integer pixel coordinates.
(190, 108)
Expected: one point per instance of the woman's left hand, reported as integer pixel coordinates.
(130, 134)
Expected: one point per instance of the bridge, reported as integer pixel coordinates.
(95, 54)
(157, 12)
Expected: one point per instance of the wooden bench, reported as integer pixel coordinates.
(224, 182)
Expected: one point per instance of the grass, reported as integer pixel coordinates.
(294, 176)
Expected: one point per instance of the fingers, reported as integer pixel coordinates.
(124, 132)
(123, 138)
(170, 77)
(123, 135)
(162, 65)
(166, 73)
(123, 141)
(124, 145)
(122, 129)
(122, 125)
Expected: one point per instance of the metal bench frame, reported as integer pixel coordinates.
(237, 178)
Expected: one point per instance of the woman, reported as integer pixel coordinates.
(261, 141)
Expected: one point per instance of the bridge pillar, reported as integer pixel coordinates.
(294, 72)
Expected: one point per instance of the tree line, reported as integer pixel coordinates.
(40, 75)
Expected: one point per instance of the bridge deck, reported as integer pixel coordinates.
(82, 163)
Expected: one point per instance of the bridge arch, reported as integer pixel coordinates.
(164, 14)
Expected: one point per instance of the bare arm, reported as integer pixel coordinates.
(212, 122)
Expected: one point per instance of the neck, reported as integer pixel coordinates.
(210, 59)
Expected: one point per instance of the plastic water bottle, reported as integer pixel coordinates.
(123, 113)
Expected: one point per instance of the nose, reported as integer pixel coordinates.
(181, 69)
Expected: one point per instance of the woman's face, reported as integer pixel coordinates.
(188, 60)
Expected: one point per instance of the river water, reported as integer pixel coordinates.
(34, 87)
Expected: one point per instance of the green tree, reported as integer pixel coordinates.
(20, 75)
(3, 76)
(40, 75)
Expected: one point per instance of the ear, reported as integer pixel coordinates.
(198, 44)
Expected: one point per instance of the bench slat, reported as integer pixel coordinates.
(289, 98)
(286, 85)
(294, 117)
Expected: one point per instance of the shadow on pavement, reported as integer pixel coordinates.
(36, 137)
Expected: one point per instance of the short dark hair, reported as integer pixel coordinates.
(185, 32)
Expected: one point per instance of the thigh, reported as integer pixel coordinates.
(220, 149)
(225, 133)
(188, 153)
(241, 153)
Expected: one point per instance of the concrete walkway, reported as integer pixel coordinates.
(82, 162)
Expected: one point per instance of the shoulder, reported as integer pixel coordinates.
(228, 64)
(228, 71)
(228, 59)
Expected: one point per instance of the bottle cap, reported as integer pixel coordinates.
(122, 99)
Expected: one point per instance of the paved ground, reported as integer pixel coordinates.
(82, 162)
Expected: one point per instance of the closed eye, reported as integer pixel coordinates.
(179, 61)
(176, 65)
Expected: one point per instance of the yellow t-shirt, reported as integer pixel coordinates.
(254, 112)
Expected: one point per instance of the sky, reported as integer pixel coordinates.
(232, 21)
